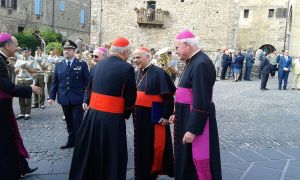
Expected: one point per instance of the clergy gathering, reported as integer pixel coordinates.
(146, 90)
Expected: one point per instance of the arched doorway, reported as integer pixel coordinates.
(268, 47)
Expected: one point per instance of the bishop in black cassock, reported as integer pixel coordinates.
(13, 154)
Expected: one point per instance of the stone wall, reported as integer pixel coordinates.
(217, 23)
(208, 19)
(67, 22)
(259, 29)
(294, 32)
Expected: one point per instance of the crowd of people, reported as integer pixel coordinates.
(231, 64)
(109, 90)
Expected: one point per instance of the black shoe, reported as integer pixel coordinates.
(48, 98)
(284, 88)
(266, 89)
(68, 145)
(34, 106)
(42, 107)
(279, 88)
(29, 171)
(26, 117)
(20, 117)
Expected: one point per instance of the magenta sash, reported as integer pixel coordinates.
(200, 145)
(14, 126)
(3, 95)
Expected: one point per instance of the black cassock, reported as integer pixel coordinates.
(101, 146)
(153, 152)
(12, 150)
(195, 113)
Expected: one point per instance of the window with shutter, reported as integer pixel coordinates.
(281, 12)
(3, 4)
(62, 6)
(82, 20)
(37, 7)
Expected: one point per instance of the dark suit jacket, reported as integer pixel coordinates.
(69, 85)
(283, 63)
(265, 66)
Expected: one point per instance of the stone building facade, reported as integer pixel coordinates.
(69, 17)
(228, 23)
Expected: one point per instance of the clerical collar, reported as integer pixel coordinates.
(3, 54)
(146, 68)
(195, 53)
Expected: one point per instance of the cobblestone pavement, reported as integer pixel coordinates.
(259, 134)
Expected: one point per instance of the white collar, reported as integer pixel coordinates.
(146, 67)
(3, 54)
(195, 53)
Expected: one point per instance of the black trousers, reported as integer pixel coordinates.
(264, 80)
(73, 115)
(224, 69)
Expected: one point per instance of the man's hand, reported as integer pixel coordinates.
(164, 122)
(85, 106)
(188, 138)
(51, 101)
(172, 119)
(36, 90)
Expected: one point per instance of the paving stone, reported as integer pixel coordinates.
(293, 152)
(277, 165)
(261, 173)
(293, 172)
(249, 156)
(237, 166)
(295, 163)
(61, 166)
(230, 174)
(43, 165)
(273, 154)
(228, 157)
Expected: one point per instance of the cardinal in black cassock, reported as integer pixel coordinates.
(153, 152)
(197, 153)
(101, 146)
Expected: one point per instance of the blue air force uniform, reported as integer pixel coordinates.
(70, 78)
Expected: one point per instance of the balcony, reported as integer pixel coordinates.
(150, 18)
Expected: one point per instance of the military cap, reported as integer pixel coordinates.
(68, 44)
(25, 49)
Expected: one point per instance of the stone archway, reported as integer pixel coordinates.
(268, 47)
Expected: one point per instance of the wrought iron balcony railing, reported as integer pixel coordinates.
(145, 17)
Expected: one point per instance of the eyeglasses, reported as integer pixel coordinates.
(137, 57)
(95, 56)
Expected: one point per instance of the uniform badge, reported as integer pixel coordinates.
(78, 68)
(67, 43)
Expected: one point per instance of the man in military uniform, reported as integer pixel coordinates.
(70, 78)
(51, 61)
(39, 78)
(24, 68)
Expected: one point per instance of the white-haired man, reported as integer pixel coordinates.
(197, 154)
(13, 153)
(98, 54)
(101, 147)
(153, 152)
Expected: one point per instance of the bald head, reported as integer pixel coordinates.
(141, 58)
(8, 44)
